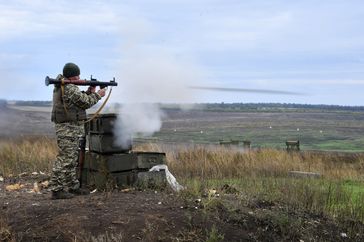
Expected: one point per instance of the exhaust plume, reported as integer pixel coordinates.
(138, 118)
(146, 82)
(148, 75)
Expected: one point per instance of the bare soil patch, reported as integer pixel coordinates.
(147, 215)
(124, 215)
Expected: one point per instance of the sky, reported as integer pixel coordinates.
(157, 50)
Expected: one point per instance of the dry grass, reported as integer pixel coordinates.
(27, 154)
(37, 154)
(221, 162)
(263, 175)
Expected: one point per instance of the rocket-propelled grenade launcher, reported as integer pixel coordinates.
(92, 82)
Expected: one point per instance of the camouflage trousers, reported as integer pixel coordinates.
(64, 171)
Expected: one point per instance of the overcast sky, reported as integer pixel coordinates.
(157, 49)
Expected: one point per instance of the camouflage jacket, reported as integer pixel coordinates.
(71, 107)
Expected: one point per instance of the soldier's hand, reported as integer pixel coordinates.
(102, 92)
(91, 89)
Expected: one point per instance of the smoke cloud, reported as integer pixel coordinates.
(147, 75)
(137, 118)
(147, 81)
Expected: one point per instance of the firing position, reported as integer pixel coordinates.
(69, 115)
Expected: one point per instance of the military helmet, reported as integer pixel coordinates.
(70, 70)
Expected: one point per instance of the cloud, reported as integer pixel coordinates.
(48, 18)
(156, 48)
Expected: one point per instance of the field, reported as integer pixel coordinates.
(230, 195)
(340, 131)
(317, 129)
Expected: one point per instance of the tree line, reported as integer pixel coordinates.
(277, 107)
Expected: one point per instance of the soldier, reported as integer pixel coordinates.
(69, 114)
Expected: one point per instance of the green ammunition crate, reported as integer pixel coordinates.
(153, 179)
(102, 124)
(105, 144)
(124, 161)
(125, 169)
(101, 181)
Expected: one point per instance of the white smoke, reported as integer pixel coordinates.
(148, 74)
(138, 118)
(158, 78)
(146, 82)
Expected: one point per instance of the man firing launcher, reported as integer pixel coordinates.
(69, 115)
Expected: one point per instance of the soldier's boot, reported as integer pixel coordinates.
(80, 191)
(61, 195)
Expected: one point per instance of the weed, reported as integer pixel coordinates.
(193, 234)
(107, 237)
(213, 235)
(5, 232)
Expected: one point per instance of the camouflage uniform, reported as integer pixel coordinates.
(69, 125)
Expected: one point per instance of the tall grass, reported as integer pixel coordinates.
(27, 155)
(220, 162)
(37, 154)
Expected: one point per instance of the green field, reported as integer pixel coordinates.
(334, 130)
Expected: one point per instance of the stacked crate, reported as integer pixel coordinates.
(108, 164)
